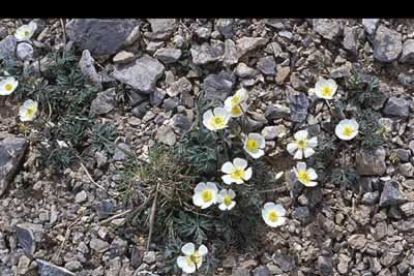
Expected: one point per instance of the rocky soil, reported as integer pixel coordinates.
(74, 225)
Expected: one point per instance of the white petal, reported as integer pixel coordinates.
(188, 248)
(181, 262)
(280, 210)
(256, 154)
(200, 187)
(243, 94)
(208, 204)
(308, 152)
(312, 174)
(298, 154)
(223, 112)
(202, 250)
(292, 147)
(248, 174)
(333, 85)
(212, 186)
(227, 179)
(222, 207)
(227, 167)
(259, 138)
(238, 181)
(222, 194)
(268, 206)
(279, 222)
(240, 162)
(313, 142)
(311, 184)
(207, 115)
(198, 200)
(231, 206)
(189, 268)
(301, 134)
(231, 193)
(301, 166)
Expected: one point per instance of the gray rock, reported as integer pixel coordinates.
(370, 198)
(252, 125)
(245, 72)
(81, 197)
(387, 44)
(136, 257)
(123, 57)
(248, 44)
(267, 66)
(166, 135)
(328, 28)
(153, 46)
(371, 163)
(206, 53)
(406, 169)
(8, 47)
(142, 74)
(407, 54)
(406, 79)
(104, 102)
(162, 28)
(137, 98)
(275, 49)
(240, 271)
(225, 26)
(325, 265)
(270, 132)
(11, 157)
(403, 154)
(183, 85)
(105, 208)
(261, 271)
(370, 25)
(203, 33)
(140, 110)
(357, 241)
(26, 240)
(301, 213)
(277, 111)
(74, 266)
(343, 264)
(218, 86)
(86, 65)
(230, 53)
(49, 269)
(299, 104)
(390, 257)
(118, 247)
(397, 107)
(99, 245)
(391, 194)
(157, 97)
(351, 39)
(120, 150)
(407, 208)
(277, 23)
(171, 103)
(150, 257)
(181, 123)
(168, 55)
(100, 36)
(284, 262)
(343, 71)
(24, 51)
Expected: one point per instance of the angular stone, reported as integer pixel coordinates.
(103, 103)
(142, 74)
(244, 71)
(8, 47)
(24, 51)
(407, 208)
(299, 104)
(343, 264)
(81, 197)
(407, 54)
(325, 265)
(282, 73)
(357, 241)
(370, 198)
(86, 65)
(49, 269)
(406, 79)
(387, 44)
(261, 271)
(168, 55)
(162, 28)
(11, 156)
(398, 107)
(391, 195)
(370, 25)
(267, 66)
(225, 26)
(166, 135)
(284, 262)
(371, 163)
(351, 39)
(120, 150)
(230, 53)
(105, 208)
(100, 36)
(181, 86)
(26, 240)
(218, 86)
(328, 28)
(123, 57)
(248, 44)
(99, 245)
(277, 111)
(206, 53)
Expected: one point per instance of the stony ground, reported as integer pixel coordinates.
(71, 225)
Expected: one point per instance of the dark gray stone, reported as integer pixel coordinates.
(225, 26)
(206, 53)
(24, 51)
(370, 25)
(328, 28)
(301, 213)
(168, 55)
(267, 66)
(391, 195)
(284, 262)
(140, 110)
(387, 44)
(218, 86)
(104, 102)
(86, 65)
(8, 47)
(49, 269)
(142, 74)
(397, 107)
(11, 156)
(162, 28)
(182, 123)
(325, 265)
(136, 257)
(100, 36)
(277, 111)
(299, 104)
(249, 44)
(183, 85)
(105, 208)
(261, 271)
(351, 39)
(137, 98)
(370, 198)
(407, 54)
(371, 163)
(171, 103)
(406, 79)
(26, 240)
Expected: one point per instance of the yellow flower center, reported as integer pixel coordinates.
(237, 173)
(227, 200)
(326, 91)
(303, 176)
(26, 33)
(8, 86)
(207, 195)
(347, 131)
(273, 215)
(30, 111)
(217, 121)
(302, 143)
(252, 144)
(235, 99)
(236, 110)
(193, 258)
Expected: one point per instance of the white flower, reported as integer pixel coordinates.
(254, 145)
(305, 176)
(217, 119)
(62, 144)
(325, 89)
(302, 145)
(236, 172)
(192, 259)
(274, 214)
(236, 105)
(28, 110)
(347, 129)
(8, 85)
(205, 194)
(225, 199)
(25, 32)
